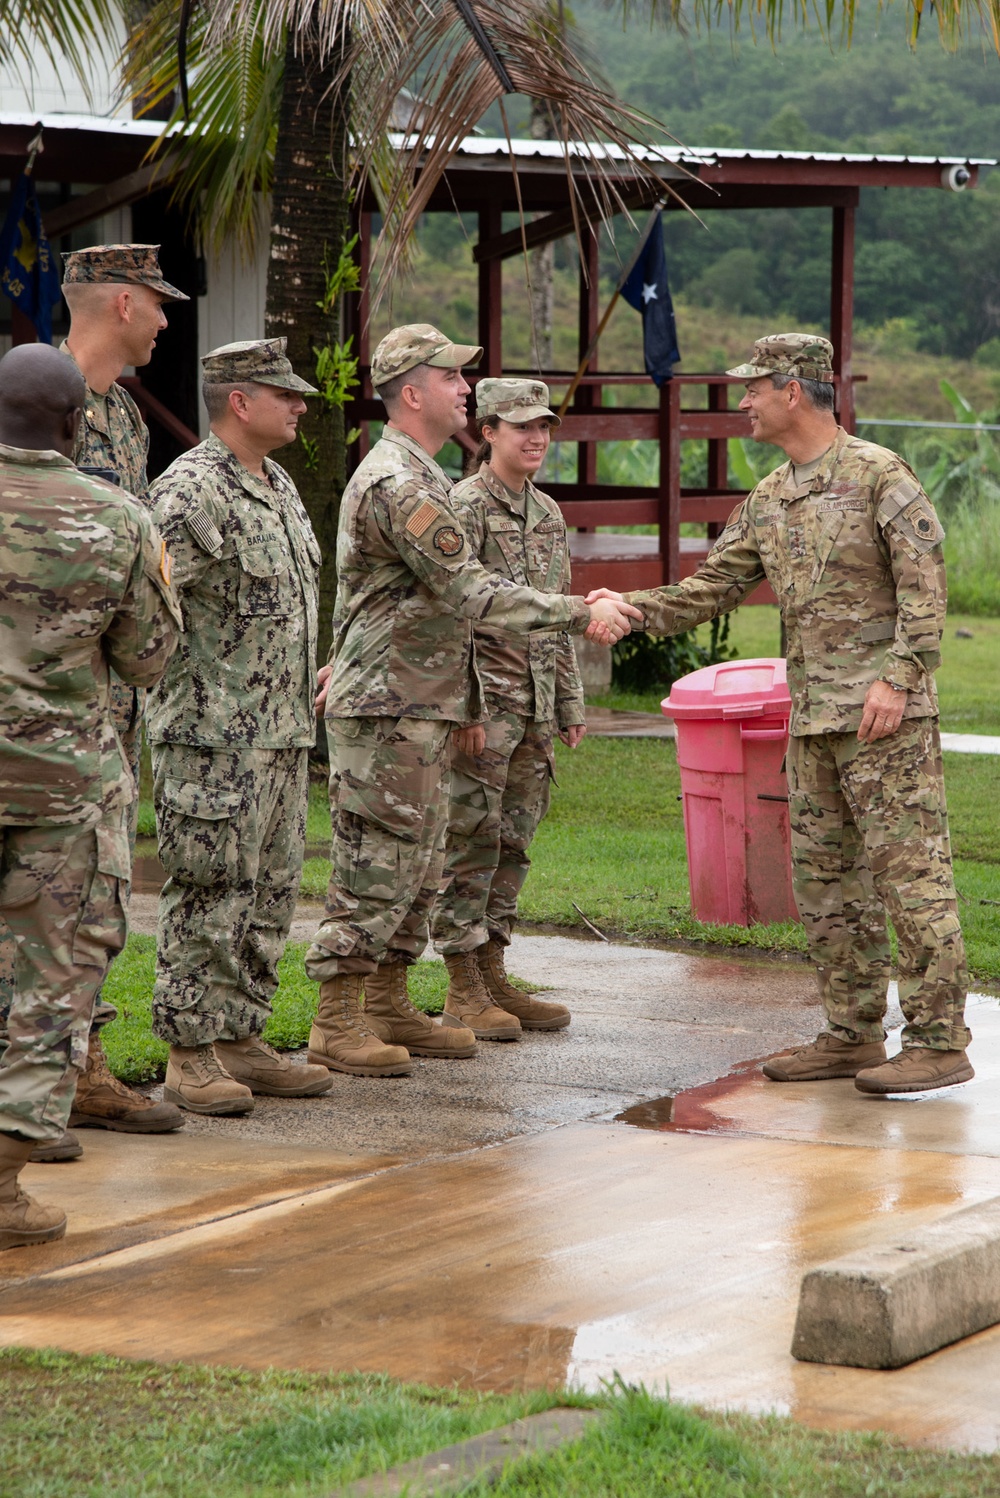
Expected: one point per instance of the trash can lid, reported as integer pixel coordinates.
(731, 689)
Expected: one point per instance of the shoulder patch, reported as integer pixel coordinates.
(422, 517)
(204, 531)
(448, 541)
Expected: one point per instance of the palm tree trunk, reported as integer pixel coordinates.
(309, 219)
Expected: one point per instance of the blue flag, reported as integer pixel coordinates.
(28, 273)
(647, 291)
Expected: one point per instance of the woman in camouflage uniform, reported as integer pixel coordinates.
(531, 691)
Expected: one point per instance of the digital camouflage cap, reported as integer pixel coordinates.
(402, 349)
(516, 401)
(802, 355)
(256, 361)
(127, 264)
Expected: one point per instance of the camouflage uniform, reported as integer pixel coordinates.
(83, 585)
(532, 689)
(112, 436)
(403, 677)
(853, 554)
(231, 725)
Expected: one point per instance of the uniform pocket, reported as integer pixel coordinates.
(265, 581)
(198, 832)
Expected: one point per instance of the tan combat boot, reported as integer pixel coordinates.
(259, 1067)
(196, 1080)
(342, 1040)
(825, 1058)
(534, 1014)
(917, 1068)
(102, 1102)
(22, 1220)
(393, 1017)
(66, 1147)
(469, 1003)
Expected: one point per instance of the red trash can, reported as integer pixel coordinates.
(732, 732)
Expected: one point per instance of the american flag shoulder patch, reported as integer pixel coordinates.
(422, 517)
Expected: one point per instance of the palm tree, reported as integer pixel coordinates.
(298, 97)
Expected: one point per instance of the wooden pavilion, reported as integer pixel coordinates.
(481, 180)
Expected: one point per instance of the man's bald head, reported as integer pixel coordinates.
(41, 396)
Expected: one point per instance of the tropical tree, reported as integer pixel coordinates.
(299, 98)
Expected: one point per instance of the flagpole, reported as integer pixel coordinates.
(648, 228)
(35, 146)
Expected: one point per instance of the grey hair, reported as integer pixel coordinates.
(819, 393)
(216, 397)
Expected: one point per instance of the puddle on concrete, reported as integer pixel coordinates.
(655, 1114)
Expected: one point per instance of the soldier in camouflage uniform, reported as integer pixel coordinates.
(852, 548)
(231, 725)
(401, 679)
(84, 587)
(532, 691)
(115, 294)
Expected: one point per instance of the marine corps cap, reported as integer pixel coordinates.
(415, 343)
(129, 264)
(256, 361)
(803, 355)
(516, 401)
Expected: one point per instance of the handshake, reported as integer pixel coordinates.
(610, 616)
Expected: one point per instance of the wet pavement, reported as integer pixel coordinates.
(578, 1204)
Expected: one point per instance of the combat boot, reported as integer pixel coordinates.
(66, 1147)
(828, 1056)
(23, 1221)
(917, 1068)
(197, 1080)
(259, 1067)
(468, 1002)
(102, 1102)
(341, 1039)
(534, 1014)
(393, 1017)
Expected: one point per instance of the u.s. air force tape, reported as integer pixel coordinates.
(203, 530)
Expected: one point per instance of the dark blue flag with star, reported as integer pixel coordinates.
(28, 273)
(647, 291)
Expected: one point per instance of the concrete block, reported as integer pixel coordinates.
(884, 1307)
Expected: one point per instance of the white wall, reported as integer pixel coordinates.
(234, 307)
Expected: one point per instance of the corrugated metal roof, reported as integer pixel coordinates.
(474, 145)
(694, 155)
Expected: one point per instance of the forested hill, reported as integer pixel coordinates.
(928, 257)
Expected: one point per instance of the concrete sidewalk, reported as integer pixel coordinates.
(505, 1223)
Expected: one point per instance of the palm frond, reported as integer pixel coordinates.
(600, 133)
(82, 33)
(222, 154)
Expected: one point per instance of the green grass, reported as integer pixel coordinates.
(100, 1427)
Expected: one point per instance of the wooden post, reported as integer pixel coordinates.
(718, 454)
(588, 397)
(490, 296)
(670, 481)
(842, 309)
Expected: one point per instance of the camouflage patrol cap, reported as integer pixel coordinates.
(415, 343)
(516, 401)
(256, 361)
(803, 355)
(129, 264)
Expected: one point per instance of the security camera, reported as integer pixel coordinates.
(955, 178)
